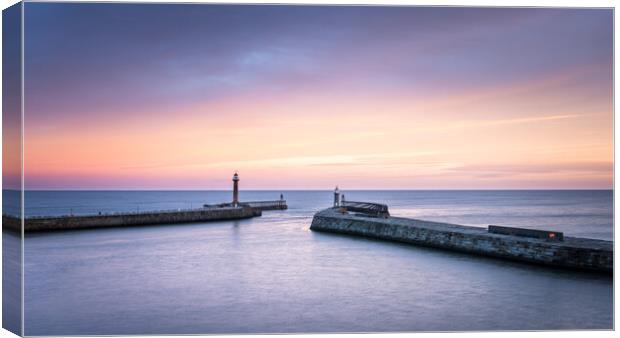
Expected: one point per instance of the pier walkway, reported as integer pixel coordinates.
(541, 247)
(266, 205)
(176, 216)
(218, 212)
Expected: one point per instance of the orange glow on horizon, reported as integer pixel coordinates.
(475, 139)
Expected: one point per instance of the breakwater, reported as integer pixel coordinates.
(267, 205)
(256, 205)
(71, 222)
(569, 252)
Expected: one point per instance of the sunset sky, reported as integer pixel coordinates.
(131, 96)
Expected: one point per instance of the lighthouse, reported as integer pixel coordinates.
(336, 197)
(235, 180)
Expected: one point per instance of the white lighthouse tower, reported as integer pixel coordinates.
(235, 180)
(336, 197)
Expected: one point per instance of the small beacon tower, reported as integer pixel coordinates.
(235, 180)
(336, 197)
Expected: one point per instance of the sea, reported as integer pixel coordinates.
(272, 274)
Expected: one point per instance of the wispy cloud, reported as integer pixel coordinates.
(471, 124)
(514, 169)
(301, 161)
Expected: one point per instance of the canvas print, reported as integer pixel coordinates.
(176, 168)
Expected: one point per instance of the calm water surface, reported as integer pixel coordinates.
(271, 274)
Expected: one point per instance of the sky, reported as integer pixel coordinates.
(173, 96)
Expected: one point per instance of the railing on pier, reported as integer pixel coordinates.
(267, 205)
(375, 209)
(132, 213)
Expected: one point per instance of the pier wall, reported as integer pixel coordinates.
(578, 253)
(12, 223)
(267, 205)
(134, 219)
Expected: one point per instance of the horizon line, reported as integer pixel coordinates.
(354, 189)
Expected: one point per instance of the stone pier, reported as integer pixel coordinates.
(569, 252)
(50, 223)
